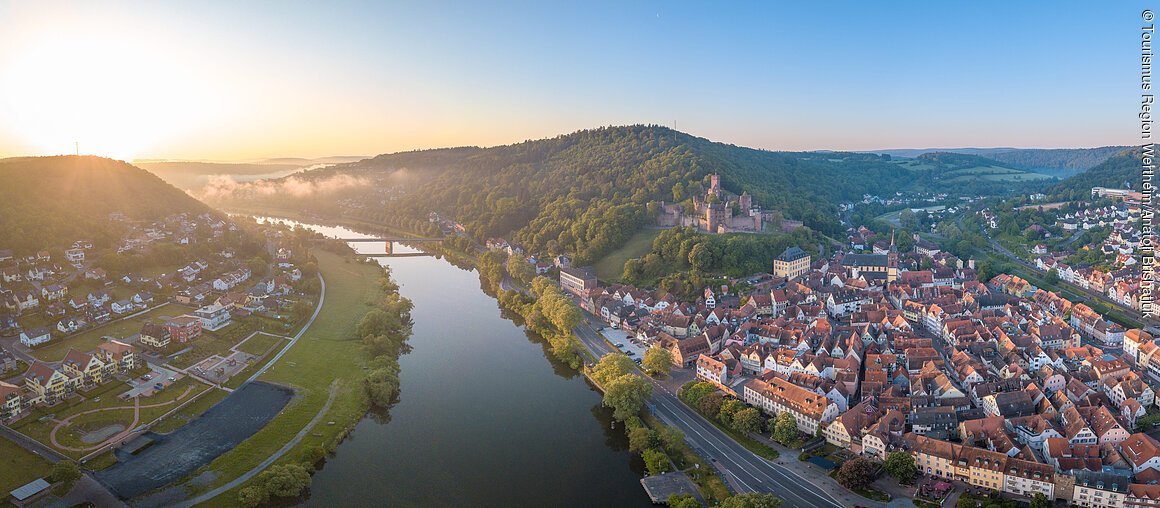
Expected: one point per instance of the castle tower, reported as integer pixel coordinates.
(714, 216)
(745, 202)
(715, 184)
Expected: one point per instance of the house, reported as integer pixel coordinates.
(48, 383)
(68, 325)
(122, 306)
(183, 328)
(53, 292)
(35, 336)
(809, 409)
(577, 281)
(1141, 451)
(154, 335)
(11, 400)
(213, 317)
(791, 263)
(89, 367)
(75, 256)
(118, 354)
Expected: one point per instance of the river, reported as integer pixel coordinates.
(485, 418)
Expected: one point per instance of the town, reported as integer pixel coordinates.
(83, 333)
(989, 385)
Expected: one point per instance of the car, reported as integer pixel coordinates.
(158, 386)
(629, 353)
(172, 379)
(146, 377)
(619, 344)
(599, 328)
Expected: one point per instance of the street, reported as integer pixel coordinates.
(744, 470)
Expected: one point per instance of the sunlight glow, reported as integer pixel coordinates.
(112, 96)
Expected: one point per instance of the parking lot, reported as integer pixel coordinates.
(624, 342)
(147, 387)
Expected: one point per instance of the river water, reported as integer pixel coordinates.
(485, 417)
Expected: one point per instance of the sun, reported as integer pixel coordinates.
(98, 95)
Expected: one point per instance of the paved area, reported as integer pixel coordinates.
(176, 455)
(661, 486)
(158, 374)
(218, 370)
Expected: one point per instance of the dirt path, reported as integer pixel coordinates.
(136, 407)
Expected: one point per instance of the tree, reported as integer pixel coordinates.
(625, 395)
(521, 270)
(683, 501)
(656, 461)
(611, 366)
(747, 420)
(285, 480)
(257, 266)
(672, 437)
(751, 500)
(728, 409)
(711, 404)
(678, 192)
(908, 219)
(301, 309)
(1052, 276)
(1039, 500)
(658, 360)
(253, 496)
(65, 472)
(856, 473)
(783, 428)
(693, 393)
(901, 466)
(641, 438)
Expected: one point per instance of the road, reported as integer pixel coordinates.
(743, 469)
(294, 340)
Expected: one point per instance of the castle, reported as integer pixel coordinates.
(714, 211)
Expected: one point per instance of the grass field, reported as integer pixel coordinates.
(327, 352)
(19, 466)
(611, 267)
(190, 412)
(55, 350)
(259, 344)
(220, 342)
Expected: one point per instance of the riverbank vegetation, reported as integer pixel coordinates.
(732, 416)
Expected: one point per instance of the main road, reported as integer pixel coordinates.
(746, 471)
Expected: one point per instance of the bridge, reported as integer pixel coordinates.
(388, 245)
(400, 239)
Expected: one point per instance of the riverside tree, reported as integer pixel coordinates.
(625, 394)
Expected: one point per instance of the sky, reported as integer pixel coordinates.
(227, 80)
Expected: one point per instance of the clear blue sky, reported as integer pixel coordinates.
(251, 79)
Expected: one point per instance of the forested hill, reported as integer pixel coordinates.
(49, 202)
(1066, 160)
(586, 192)
(1120, 171)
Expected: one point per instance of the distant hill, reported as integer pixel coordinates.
(1057, 162)
(1120, 171)
(49, 202)
(585, 192)
(193, 176)
(945, 171)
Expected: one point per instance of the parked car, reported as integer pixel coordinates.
(158, 386)
(146, 377)
(172, 379)
(619, 344)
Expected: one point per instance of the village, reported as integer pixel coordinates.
(79, 344)
(991, 386)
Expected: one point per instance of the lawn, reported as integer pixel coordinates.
(55, 350)
(611, 266)
(219, 342)
(190, 412)
(259, 344)
(19, 466)
(327, 352)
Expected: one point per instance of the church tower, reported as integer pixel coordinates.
(892, 261)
